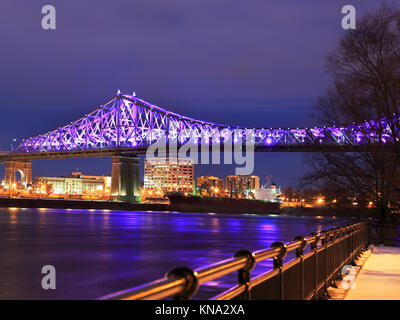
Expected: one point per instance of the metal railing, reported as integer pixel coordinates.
(307, 276)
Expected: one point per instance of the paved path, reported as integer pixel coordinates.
(379, 278)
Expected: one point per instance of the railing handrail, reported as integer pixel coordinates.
(181, 279)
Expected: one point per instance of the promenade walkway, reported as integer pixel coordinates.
(379, 277)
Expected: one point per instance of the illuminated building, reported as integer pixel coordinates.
(210, 186)
(169, 174)
(77, 184)
(242, 185)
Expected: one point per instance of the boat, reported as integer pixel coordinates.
(269, 192)
(180, 202)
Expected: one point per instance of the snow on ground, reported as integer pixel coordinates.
(379, 278)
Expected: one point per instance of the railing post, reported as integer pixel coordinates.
(353, 240)
(358, 240)
(324, 242)
(333, 249)
(340, 237)
(300, 254)
(348, 244)
(340, 254)
(333, 260)
(278, 264)
(314, 248)
(191, 282)
(244, 273)
(335, 255)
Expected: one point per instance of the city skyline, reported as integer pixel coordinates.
(216, 88)
(213, 150)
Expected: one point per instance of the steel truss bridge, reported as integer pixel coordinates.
(126, 126)
(129, 125)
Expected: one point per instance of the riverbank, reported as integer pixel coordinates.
(227, 206)
(80, 204)
(188, 207)
(329, 212)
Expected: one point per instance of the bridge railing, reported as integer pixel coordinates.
(307, 276)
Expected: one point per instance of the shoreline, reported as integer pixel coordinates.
(80, 204)
(125, 206)
(330, 212)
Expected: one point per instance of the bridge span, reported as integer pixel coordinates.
(129, 123)
(126, 126)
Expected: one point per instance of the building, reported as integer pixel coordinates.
(76, 184)
(240, 186)
(210, 186)
(169, 174)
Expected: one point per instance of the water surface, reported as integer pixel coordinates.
(98, 252)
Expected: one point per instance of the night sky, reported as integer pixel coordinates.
(252, 63)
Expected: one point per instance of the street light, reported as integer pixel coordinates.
(12, 144)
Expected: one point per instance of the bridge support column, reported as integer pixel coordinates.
(25, 170)
(125, 183)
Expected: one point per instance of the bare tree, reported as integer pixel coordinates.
(366, 86)
(290, 193)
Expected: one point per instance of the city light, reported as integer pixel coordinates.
(155, 200)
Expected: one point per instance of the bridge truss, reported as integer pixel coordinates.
(130, 123)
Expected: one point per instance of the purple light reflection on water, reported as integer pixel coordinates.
(98, 252)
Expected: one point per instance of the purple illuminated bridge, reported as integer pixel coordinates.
(126, 126)
(130, 124)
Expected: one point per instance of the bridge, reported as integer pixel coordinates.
(127, 126)
(130, 124)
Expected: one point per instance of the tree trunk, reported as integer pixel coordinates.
(382, 210)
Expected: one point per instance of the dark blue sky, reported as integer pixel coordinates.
(252, 63)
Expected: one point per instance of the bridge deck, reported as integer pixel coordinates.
(91, 153)
(379, 278)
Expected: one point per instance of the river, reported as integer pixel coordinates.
(99, 252)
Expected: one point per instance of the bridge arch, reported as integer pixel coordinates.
(23, 168)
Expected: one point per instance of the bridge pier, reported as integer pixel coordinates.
(125, 183)
(25, 170)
